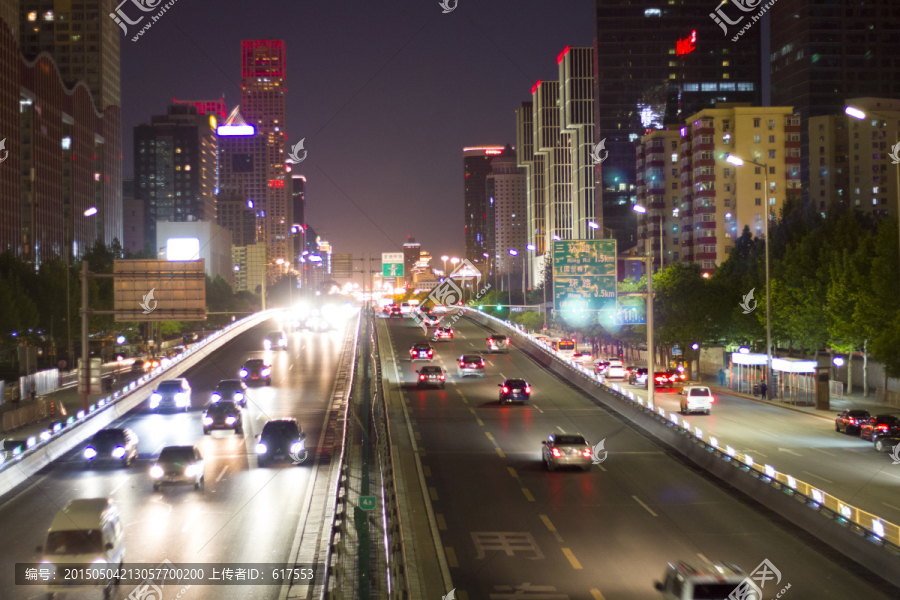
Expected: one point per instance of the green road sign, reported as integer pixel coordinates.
(584, 275)
(367, 502)
(392, 270)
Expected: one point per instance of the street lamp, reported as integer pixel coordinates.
(838, 362)
(736, 161)
(858, 114)
(444, 259)
(512, 252)
(91, 211)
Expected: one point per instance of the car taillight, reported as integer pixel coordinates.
(421, 378)
(527, 389)
(505, 390)
(852, 421)
(555, 452)
(482, 362)
(712, 399)
(451, 332)
(442, 377)
(586, 453)
(883, 427)
(462, 363)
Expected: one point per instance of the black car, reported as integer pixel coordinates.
(395, 311)
(514, 389)
(880, 426)
(256, 369)
(889, 443)
(431, 376)
(637, 375)
(112, 445)
(224, 414)
(234, 390)
(421, 351)
(851, 420)
(280, 439)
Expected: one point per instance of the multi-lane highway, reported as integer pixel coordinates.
(244, 514)
(510, 529)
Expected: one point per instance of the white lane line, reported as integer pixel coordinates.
(190, 521)
(823, 452)
(222, 474)
(289, 368)
(501, 374)
(757, 452)
(638, 500)
(560, 429)
(818, 477)
(891, 506)
(703, 558)
(116, 489)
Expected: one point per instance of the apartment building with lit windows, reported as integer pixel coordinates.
(850, 158)
(719, 199)
(659, 182)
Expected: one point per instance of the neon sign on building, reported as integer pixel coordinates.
(687, 45)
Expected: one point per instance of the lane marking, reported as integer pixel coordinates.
(116, 489)
(464, 400)
(479, 421)
(890, 506)
(638, 500)
(596, 594)
(427, 470)
(823, 452)
(459, 392)
(432, 491)
(818, 477)
(575, 564)
(757, 452)
(222, 473)
(418, 436)
(501, 374)
(512, 472)
(500, 452)
(528, 495)
(703, 558)
(25, 491)
(190, 521)
(551, 528)
(488, 434)
(560, 429)
(451, 556)
(442, 524)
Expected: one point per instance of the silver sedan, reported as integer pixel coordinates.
(566, 450)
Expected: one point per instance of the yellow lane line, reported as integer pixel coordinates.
(451, 556)
(528, 495)
(442, 524)
(572, 559)
(432, 491)
(512, 472)
(597, 595)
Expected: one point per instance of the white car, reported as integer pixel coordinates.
(683, 581)
(583, 357)
(615, 370)
(405, 309)
(696, 398)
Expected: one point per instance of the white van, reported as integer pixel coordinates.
(696, 398)
(683, 581)
(85, 531)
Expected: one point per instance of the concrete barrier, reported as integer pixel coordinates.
(847, 537)
(20, 468)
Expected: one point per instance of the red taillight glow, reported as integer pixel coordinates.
(852, 421)
(482, 362)
(883, 427)
(505, 390)
(462, 363)
(586, 453)
(442, 377)
(555, 452)
(421, 378)
(527, 389)
(712, 399)
(430, 352)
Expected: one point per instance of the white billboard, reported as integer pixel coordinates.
(182, 248)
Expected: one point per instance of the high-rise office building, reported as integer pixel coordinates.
(554, 145)
(81, 38)
(175, 168)
(237, 216)
(507, 196)
(133, 219)
(695, 201)
(215, 108)
(533, 166)
(298, 214)
(412, 252)
(263, 79)
(476, 168)
(657, 65)
(850, 161)
(825, 53)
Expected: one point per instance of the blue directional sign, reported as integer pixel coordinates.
(632, 314)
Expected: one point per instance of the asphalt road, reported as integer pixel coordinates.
(510, 529)
(245, 514)
(803, 445)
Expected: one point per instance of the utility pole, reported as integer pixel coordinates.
(651, 369)
(85, 343)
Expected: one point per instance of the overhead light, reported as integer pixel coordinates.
(855, 112)
(91, 211)
(531, 247)
(736, 161)
(593, 225)
(639, 209)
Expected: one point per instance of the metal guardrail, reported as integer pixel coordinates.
(35, 443)
(875, 528)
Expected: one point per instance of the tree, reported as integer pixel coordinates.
(683, 307)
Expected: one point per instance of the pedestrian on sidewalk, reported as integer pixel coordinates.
(721, 376)
(763, 388)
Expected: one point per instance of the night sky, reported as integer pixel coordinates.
(386, 94)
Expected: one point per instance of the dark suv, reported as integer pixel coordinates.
(280, 439)
(224, 414)
(514, 389)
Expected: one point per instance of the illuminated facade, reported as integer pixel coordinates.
(215, 108)
(717, 198)
(249, 265)
(850, 161)
(175, 167)
(554, 146)
(533, 166)
(476, 168)
(506, 194)
(214, 242)
(238, 217)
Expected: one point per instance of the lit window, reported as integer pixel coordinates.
(32, 16)
(48, 16)
(187, 167)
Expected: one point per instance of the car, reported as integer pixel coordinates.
(395, 311)
(677, 375)
(851, 420)
(600, 367)
(696, 398)
(430, 319)
(256, 369)
(470, 364)
(638, 376)
(421, 351)
(119, 445)
(224, 414)
(276, 340)
(514, 389)
(430, 376)
(615, 370)
(178, 465)
(440, 309)
(566, 450)
(280, 439)
(583, 357)
(683, 581)
(888, 443)
(234, 390)
(498, 343)
(878, 426)
(662, 379)
(443, 333)
(172, 393)
(406, 309)
(151, 364)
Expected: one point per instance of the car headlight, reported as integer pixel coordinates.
(215, 397)
(282, 342)
(155, 399)
(297, 447)
(191, 470)
(267, 344)
(244, 372)
(261, 448)
(265, 372)
(229, 420)
(118, 452)
(90, 453)
(239, 396)
(156, 472)
(207, 420)
(181, 399)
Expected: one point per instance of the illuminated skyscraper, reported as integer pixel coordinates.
(476, 167)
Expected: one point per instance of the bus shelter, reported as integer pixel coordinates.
(795, 381)
(747, 371)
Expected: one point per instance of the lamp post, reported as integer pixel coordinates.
(839, 362)
(455, 261)
(859, 114)
(532, 248)
(734, 160)
(512, 252)
(444, 260)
